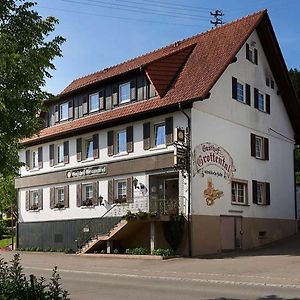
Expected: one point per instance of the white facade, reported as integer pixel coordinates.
(74, 212)
(228, 123)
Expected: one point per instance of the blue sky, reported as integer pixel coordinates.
(102, 33)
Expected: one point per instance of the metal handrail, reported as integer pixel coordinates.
(159, 205)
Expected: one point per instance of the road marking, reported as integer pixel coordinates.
(216, 281)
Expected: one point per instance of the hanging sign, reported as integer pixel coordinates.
(209, 154)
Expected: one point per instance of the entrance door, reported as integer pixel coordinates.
(164, 191)
(231, 228)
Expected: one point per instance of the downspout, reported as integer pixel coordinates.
(189, 231)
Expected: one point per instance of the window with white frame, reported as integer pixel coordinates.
(60, 153)
(121, 190)
(261, 102)
(89, 148)
(34, 200)
(94, 102)
(34, 157)
(121, 141)
(261, 193)
(124, 92)
(239, 192)
(64, 111)
(87, 194)
(240, 88)
(159, 134)
(259, 147)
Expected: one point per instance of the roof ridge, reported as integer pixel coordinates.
(176, 44)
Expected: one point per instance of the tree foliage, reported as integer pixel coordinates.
(7, 193)
(26, 55)
(15, 285)
(295, 77)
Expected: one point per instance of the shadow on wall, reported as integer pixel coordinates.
(269, 297)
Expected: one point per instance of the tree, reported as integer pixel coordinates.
(295, 77)
(7, 193)
(26, 55)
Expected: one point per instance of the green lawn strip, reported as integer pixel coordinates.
(5, 242)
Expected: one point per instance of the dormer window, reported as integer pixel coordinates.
(64, 111)
(124, 91)
(94, 102)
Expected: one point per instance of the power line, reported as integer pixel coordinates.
(167, 5)
(134, 9)
(116, 17)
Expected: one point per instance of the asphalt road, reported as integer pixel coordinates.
(272, 273)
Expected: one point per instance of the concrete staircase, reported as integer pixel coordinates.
(97, 240)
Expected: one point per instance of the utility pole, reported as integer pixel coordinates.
(217, 15)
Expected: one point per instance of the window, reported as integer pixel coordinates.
(34, 159)
(121, 141)
(121, 190)
(261, 102)
(251, 53)
(60, 153)
(239, 193)
(94, 102)
(159, 134)
(240, 92)
(60, 198)
(261, 192)
(64, 111)
(87, 194)
(124, 91)
(259, 147)
(261, 195)
(34, 200)
(60, 195)
(89, 149)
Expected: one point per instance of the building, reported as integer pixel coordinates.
(108, 147)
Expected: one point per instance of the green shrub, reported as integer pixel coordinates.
(69, 251)
(137, 251)
(116, 251)
(142, 215)
(163, 252)
(15, 285)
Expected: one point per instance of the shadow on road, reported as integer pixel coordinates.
(288, 246)
(269, 297)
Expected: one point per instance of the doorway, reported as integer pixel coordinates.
(231, 233)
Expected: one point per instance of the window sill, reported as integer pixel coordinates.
(59, 165)
(240, 204)
(34, 210)
(120, 154)
(57, 209)
(34, 170)
(159, 147)
(87, 206)
(88, 159)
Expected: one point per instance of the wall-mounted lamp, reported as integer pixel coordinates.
(135, 182)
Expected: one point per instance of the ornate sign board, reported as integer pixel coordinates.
(209, 154)
(89, 171)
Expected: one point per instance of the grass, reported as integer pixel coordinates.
(6, 242)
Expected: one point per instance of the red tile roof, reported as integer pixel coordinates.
(206, 56)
